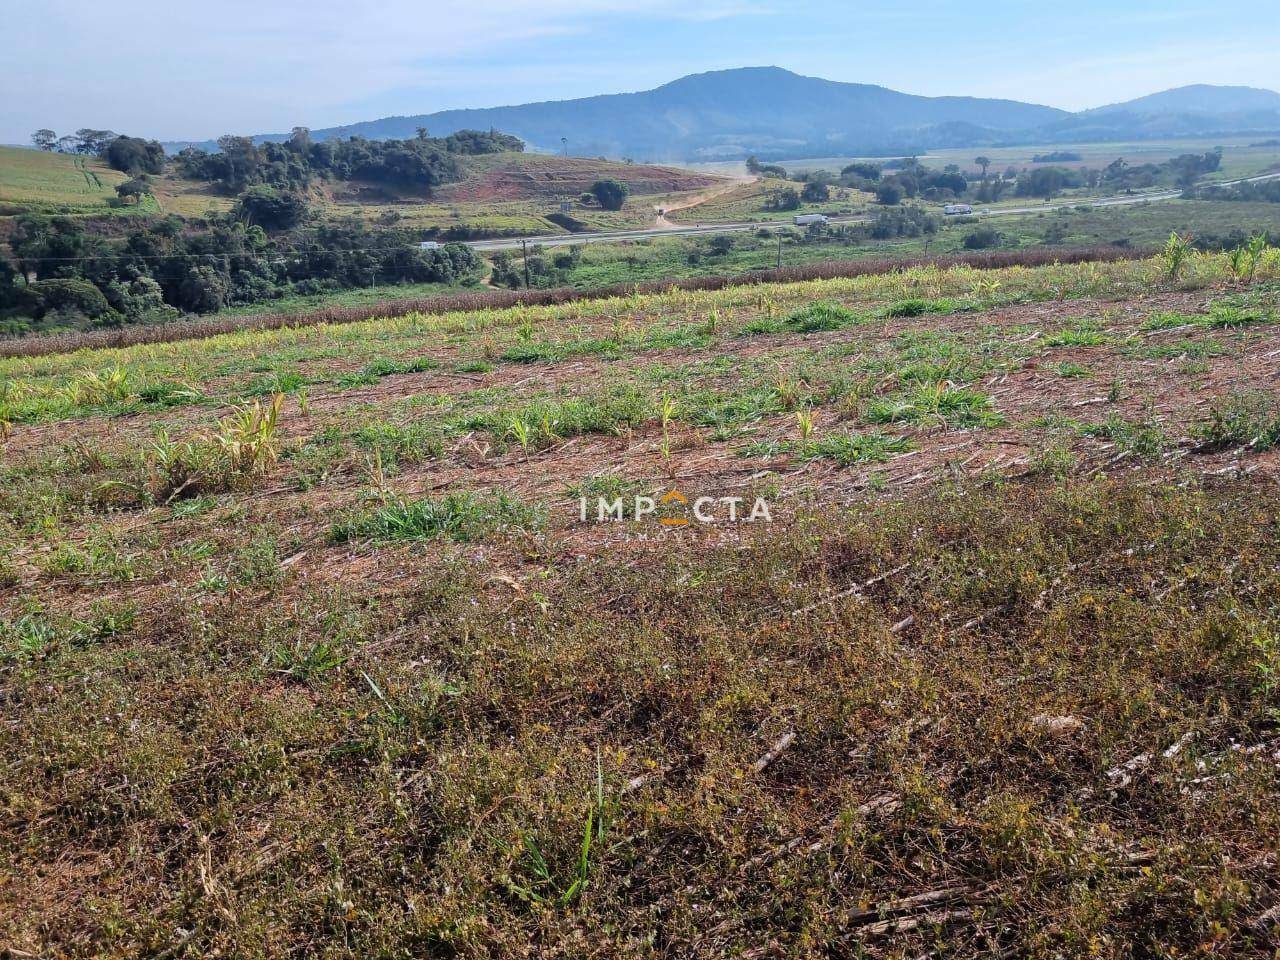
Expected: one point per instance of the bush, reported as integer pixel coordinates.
(271, 209)
(784, 198)
(889, 194)
(865, 171)
(984, 238)
(134, 155)
(203, 290)
(69, 298)
(815, 192)
(610, 194)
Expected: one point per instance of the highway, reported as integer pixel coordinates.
(745, 226)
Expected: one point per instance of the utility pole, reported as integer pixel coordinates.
(524, 245)
(779, 249)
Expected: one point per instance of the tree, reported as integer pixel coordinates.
(1042, 182)
(270, 208)
(71, 298)
(203, 290)
(241, 161)
(753, 165)
(49, 247)
(888, 194)
(44, 139)
(984, 163)
(93, 142)
(300, 139)
(134, 156)
(867, 171)
(8, 283)
(610, 194)
(134, 189)
(815, 191)
(982, 239)
(784, 198)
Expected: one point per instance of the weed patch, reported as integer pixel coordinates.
(461, 517)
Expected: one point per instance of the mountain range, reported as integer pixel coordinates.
(774, 113)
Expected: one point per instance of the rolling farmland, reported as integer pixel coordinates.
(308, 647)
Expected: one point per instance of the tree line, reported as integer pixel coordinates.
(423, 162)
(906, 178)
(63, 277)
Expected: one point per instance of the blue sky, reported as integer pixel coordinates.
(185, 70)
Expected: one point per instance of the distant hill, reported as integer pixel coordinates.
(774, 113)
(1199, 98)
(1196, 110)
(729, 113)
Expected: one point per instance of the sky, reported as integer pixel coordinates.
(182, 70)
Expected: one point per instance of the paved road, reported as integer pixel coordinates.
(569, 239)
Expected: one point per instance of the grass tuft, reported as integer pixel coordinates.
(461, 517)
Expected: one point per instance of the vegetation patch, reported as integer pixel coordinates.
(848, 449)
(938, 403)
(1144, 439)
(822, 316)
(1250, 420)
(919, 307)
(461, 517)
(541, 423)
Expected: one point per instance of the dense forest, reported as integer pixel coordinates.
(61, 276)
(423, 162)
(60, 273)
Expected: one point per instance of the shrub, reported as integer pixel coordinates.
(983, 238)
(889, 194)
(815, 191)
(270, 208)
(610, 194)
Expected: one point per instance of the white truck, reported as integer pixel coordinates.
(808, 219)
(429, 245)
(957, 210)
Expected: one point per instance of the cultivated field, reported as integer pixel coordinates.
(510, 193)
(305, 647)
(39, 182)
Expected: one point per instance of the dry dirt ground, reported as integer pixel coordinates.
(996, 678)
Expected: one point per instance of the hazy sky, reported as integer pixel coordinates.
(176, 70)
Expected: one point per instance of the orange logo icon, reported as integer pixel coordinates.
(675, 496)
